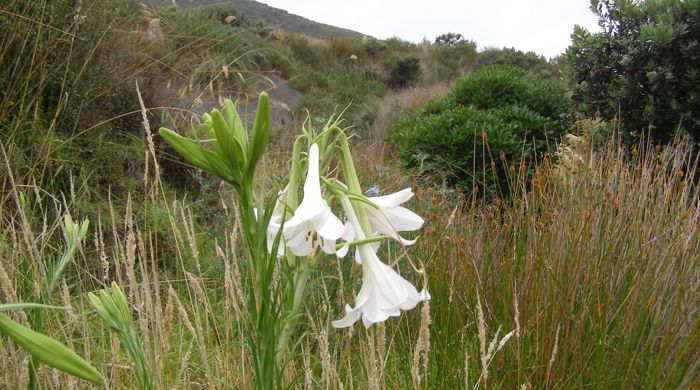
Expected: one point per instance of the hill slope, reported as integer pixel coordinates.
(271, 16)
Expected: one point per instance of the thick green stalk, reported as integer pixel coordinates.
(74, 233)
(297, 288)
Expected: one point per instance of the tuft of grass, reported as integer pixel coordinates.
(596, 270)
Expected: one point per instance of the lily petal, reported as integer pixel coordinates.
(394, 199)
(384, 293)
(348, 236)
(313, 223)
(389, 218)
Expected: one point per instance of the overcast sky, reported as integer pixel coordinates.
(542, 26)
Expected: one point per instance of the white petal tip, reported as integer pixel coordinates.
(351, 316)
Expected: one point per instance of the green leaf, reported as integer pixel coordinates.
(48, 350)
(234, 122)
(220, 168)
(20, 306)
(120, 302)
(261, 132)
(226, 141)
(191, 150)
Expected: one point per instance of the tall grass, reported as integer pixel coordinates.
(588, 279)
(597, 270)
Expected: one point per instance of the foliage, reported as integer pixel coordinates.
(596, 269)
(450, 39)
(234, 158)
(67, 113)
(374, 48)
(535, 64)
(397, 44)
(206, 45)
(497, 111)
(405, 72)
(451, 56)
(260, 13)
(642, 68)
(544, 264)
(609, 253)
(41, 347)
(112, 307)
(45, 349)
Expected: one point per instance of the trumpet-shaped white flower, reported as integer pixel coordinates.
(384, 293)
(275, 223)
(313, 223)
(389, 218)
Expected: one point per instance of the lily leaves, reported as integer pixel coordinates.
(46, 349)
(233, 157)
(112, 306)
(261, 132)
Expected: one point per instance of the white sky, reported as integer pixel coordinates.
(542, 26)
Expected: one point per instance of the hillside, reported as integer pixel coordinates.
(274, 17)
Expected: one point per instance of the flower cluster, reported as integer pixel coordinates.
(313, 226)
(281, 235)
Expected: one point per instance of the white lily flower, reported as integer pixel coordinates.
(384, 293)
(313, 223)
(389, 218)
(275, 223)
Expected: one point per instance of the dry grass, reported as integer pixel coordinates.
(587, 280)
(399, 103)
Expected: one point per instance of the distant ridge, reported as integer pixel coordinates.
(273, 17)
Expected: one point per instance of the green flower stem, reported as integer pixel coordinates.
(74, 234)
(363, 241)
(298, 267)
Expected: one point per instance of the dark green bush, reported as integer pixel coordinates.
(404, 72)
(497, 111)
(643, 68)
(499, 85)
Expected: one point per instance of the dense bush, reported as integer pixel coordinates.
(498, 112)
(405, 71)
(643, 68)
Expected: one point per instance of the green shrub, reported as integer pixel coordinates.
(405, 71)
(643, 68)
(499, 85)
(497, 112)
(374, 48)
